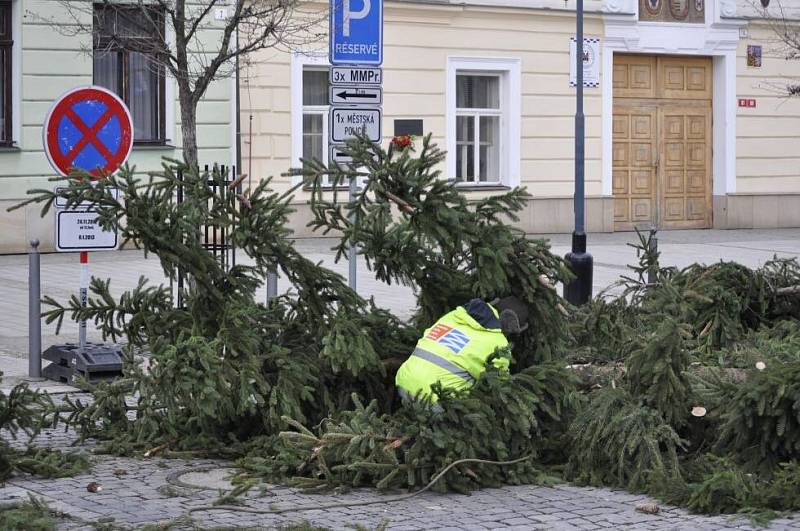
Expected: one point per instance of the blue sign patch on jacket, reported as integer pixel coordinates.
(452, 338)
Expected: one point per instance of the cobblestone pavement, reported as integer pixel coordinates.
(138, 491)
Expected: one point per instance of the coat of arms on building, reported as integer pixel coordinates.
(678, 11)
(653, 6)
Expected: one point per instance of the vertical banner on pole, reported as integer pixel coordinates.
(591, 62)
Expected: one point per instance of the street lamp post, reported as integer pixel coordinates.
(579, 291)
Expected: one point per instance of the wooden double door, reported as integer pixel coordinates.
(662, 167)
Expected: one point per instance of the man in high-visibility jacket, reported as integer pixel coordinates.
(454, 351)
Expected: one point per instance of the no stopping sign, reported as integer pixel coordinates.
(89, 129)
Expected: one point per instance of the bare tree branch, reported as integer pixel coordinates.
(199, 19)
(142, 26)
(785, 25)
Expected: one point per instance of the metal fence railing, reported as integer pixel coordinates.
(215, 239)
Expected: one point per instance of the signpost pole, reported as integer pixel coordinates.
(84, 296)
(351, 253)
(356, 50)
(579, 291)
(98, 149)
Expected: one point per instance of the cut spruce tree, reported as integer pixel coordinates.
(643, 390)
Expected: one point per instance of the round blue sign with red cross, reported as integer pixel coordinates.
(88, 129)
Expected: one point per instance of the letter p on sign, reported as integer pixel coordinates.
(356, 15)
(356, 32)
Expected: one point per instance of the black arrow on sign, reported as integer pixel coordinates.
(344, 95)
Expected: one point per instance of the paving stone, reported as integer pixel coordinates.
(544, 517)
(561, 526)
(516, 521)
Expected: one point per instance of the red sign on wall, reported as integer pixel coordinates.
(747, 102)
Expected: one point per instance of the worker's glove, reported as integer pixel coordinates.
(501, 364)
(513, 315)
(509, 323)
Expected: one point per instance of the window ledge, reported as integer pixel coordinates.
(483, 187)
(153, 147)
(10, 149)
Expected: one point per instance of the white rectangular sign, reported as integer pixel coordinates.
(353, 75)
(346, 122)
(356, 95)
(78, 230)
(339, 156)
(591, 62)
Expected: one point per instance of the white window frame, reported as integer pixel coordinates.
(16, 74)
(299, 62)
(476, 114)
(509, 72)
(171, 98)
(168, 118)
(317, 110)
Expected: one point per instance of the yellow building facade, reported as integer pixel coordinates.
(680, 131)
(687, 126)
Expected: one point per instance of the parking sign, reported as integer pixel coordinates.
(356, 35)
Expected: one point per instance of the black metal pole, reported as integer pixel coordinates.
(238, 116)
(579, 291)
(179, 298)
(580, 126)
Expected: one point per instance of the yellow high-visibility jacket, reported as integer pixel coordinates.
(453, 351)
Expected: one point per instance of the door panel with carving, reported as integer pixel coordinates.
(633, 176)
(684, 78)
(686, 170)
(661, 142)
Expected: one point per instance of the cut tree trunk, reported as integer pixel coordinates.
(595, 376)
(789, 290)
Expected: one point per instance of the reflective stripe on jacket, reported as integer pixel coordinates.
(453, 351)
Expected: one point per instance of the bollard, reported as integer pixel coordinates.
(652, 277)
(272, 285)
(34, 312)
(579, 291)
(83, 295)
